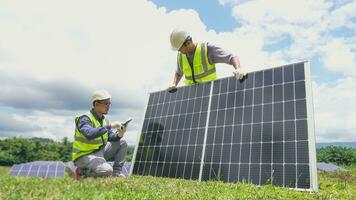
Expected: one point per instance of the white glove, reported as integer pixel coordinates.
(172, 88)
(121, 131)
(115, 125)
(239, 74)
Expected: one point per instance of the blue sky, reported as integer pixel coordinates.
(214, 15)
(51, 62)
(218, 16)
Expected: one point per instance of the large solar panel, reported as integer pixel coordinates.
(260, 130)
(39, 168)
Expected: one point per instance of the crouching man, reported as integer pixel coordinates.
(95, 142)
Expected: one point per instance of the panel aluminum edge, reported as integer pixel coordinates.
(311, 129)
(206, 132)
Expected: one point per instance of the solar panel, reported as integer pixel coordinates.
(173, 131)
(259, 130)
(329, 167)
(39, 168)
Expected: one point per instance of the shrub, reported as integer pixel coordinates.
(337, 154)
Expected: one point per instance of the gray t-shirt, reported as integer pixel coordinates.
(215, 55)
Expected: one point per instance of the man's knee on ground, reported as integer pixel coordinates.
(103, 170)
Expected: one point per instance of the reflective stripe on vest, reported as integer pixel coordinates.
(81, 145)
(203, 70)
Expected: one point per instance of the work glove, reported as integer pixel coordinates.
(239, 74)
(115, 125)
(121, 131)
(172, 88)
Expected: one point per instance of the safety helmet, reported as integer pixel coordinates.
(100, 95)
(178, 37)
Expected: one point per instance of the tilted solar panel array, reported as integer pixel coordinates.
(259, 130)
(39, 168)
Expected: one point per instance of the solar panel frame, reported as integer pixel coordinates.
(311, 128)
(205, 134)
(276, 76)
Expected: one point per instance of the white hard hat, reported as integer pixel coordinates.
(178, 37)
(100, 95)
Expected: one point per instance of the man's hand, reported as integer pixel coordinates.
(115, 125)
(239, 74)
(121, 130)
(172, 88)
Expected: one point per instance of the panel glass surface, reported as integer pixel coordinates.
(172, 136)
(39, 168)
(257, 130)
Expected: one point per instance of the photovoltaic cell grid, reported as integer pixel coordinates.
(257, 131)
(39, 168)
(172, 136)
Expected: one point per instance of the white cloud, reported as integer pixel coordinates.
(335, 112)
(232, 2)
(281, 12)
(103, 40)
(339, 57)
(124, 47)
(13, 125)
(342, 16)
(309, 25)
(52, 126)
(223, 2)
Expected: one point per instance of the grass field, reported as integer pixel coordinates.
(331, 186)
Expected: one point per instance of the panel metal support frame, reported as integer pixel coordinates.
(206, 131)
(311, 131)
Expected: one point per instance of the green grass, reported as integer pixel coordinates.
(331, 186)
(4, 170)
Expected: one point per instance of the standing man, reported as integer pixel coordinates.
(95, 142)
(197, 61)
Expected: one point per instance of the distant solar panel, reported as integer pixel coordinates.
(39, 168)
(259, 130)
(329, 167)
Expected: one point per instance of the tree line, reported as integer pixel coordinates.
(21, 150)
(337, 154)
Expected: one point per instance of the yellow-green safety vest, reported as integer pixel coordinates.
(81, 145)
(203, 70)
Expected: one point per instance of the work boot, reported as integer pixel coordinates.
(78, 174)
(81, 173)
